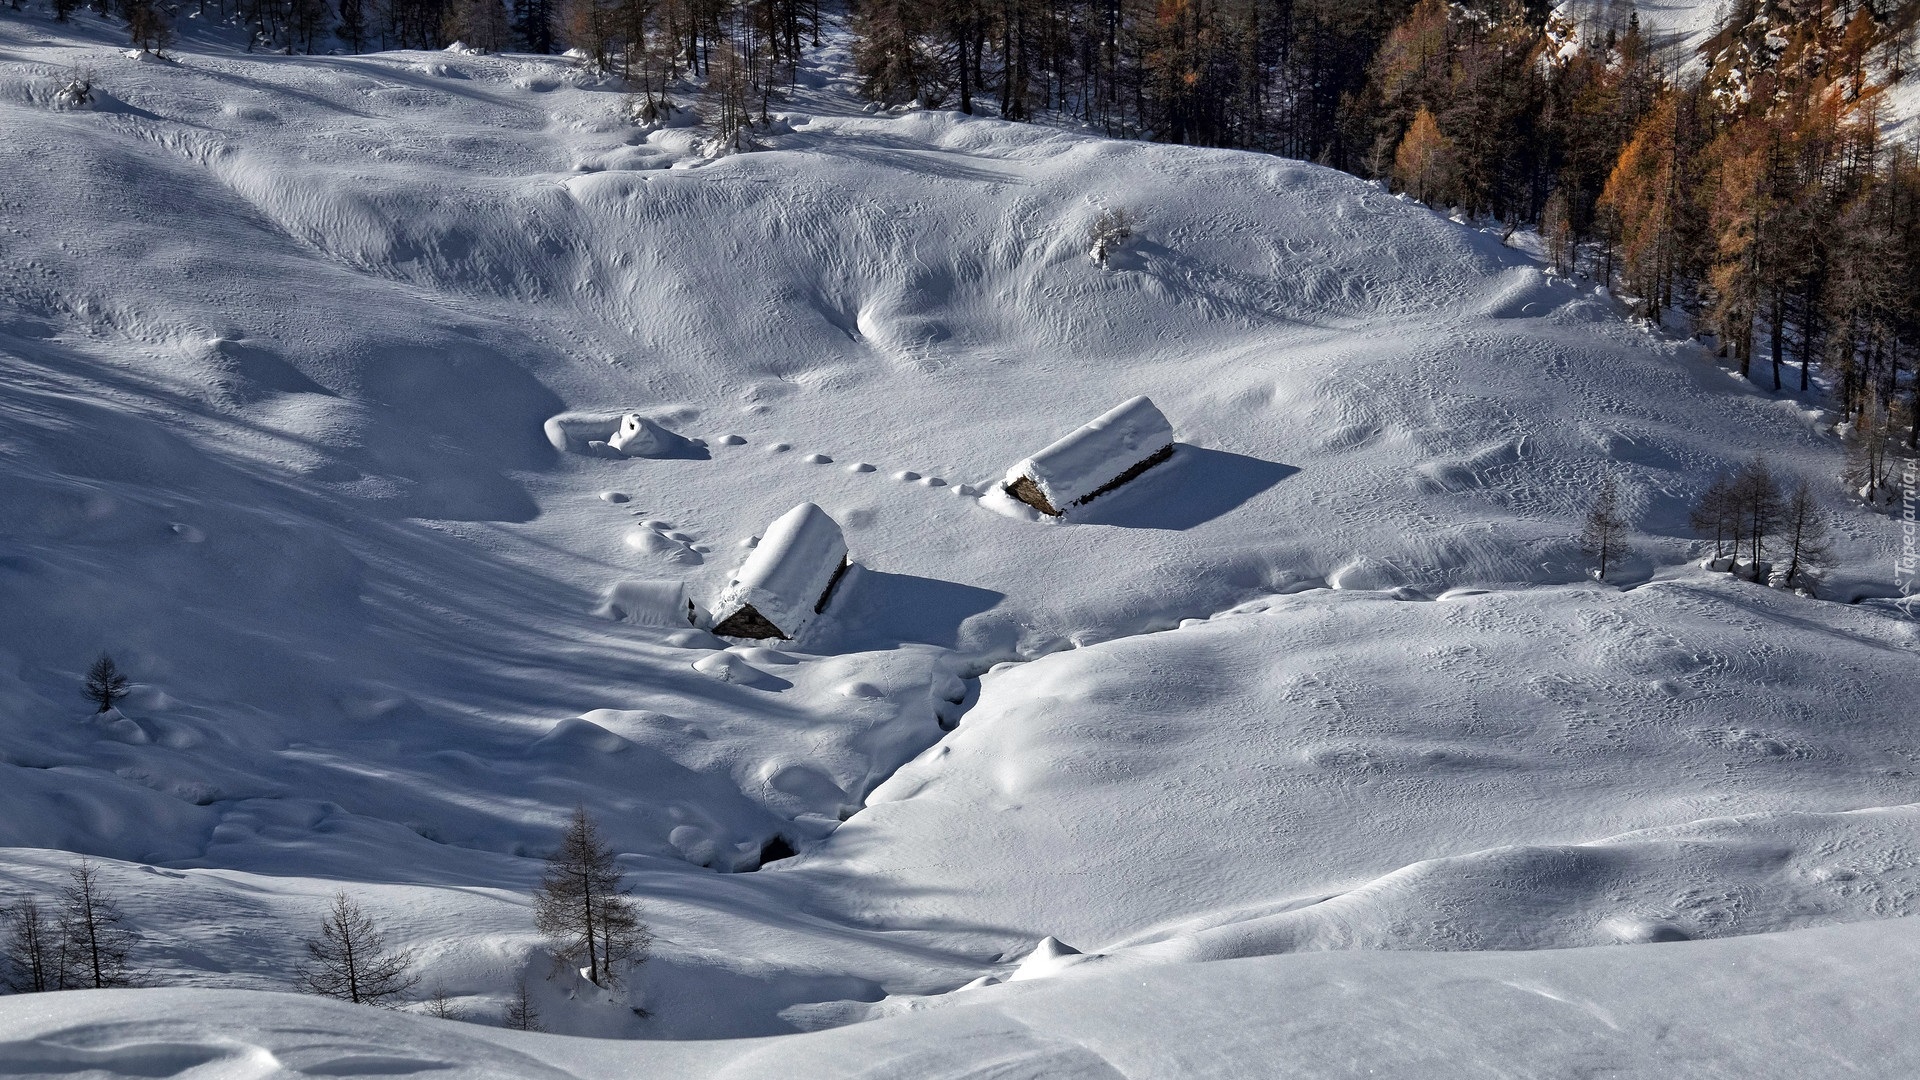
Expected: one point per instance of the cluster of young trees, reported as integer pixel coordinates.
(1755, 523)
(80, 941)
(581, 906)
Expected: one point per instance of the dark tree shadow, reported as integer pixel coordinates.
(1195, 486)
(873, 609)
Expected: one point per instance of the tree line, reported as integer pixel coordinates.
(1751, 193)
(1755, 195)
(82, 940)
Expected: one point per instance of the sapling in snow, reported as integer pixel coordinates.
(520, 1014)
(1602, 534)
(105, 683)
(350, 960)
(1109, 232)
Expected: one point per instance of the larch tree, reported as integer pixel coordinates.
(1602, 533)
(352, 28)
(349, 959)
(32, 951)
(94, 931)
(1756, 494)
(582, 908)
(104, 684)
(1424, 163)
(1640, 200)
(520, 1014)
(1716, 514)
(1803, 529)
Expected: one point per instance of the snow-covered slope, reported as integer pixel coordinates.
(1821, 1003)
(282, 339)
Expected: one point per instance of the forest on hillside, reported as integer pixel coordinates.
(1749, 192)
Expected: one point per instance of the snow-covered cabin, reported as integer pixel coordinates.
(787, 580)
(1122, 443)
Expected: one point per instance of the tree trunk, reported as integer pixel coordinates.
(1777, 334)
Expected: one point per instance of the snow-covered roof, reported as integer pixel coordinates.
(1077, 467)
(789, 571)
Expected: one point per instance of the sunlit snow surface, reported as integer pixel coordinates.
(279, 336)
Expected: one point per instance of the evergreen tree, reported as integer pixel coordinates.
(535, 21)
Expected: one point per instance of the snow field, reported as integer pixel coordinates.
(287, 341)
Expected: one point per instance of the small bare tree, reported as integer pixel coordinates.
(521, 1015)
(1602, 534)
(582, 908)
(350, 959)
(148, 26)
(1756, 496)
(1804, 530)
(105, 683)
(94, 932)
(32, 953)
(1716, 514)
(439, 1006)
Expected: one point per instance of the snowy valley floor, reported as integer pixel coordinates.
(1314, 752)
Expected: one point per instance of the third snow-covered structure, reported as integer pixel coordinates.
(787, 580)
(1122, 443)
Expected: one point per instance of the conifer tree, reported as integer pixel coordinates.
(105, 684)
(349, 959)
(1424, 163)
(1717, 514)
(520, 1014)
(33, 952)
(582, 908)
(1602, 533)
(1756, 494)
(94, 932)
(1804, 531)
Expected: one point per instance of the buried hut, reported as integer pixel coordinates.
(787, 580)
(1112, 450)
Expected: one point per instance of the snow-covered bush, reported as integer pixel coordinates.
(75, 90)
(1109, 232)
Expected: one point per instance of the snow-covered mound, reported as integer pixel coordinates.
(304, 357)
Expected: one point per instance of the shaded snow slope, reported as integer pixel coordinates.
(284, 340)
